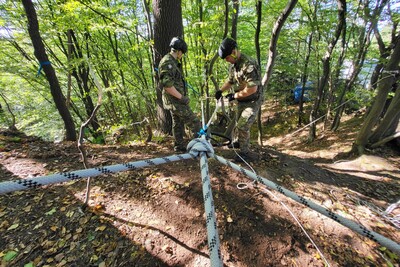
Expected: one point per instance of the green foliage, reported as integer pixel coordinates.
(113, 37)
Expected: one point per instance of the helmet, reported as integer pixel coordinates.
(178, 44)
(226, 47)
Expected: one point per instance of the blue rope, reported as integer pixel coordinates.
(203, 131)
(41, 67)
(193, 90)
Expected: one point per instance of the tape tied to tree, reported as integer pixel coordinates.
(41, 67)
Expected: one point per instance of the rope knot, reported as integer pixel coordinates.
(200, 145)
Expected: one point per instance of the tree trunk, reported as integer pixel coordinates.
(364, 43)
(304, 78)
(40, 53)
(235, 16)
(385, 84)
(274, 40)
(167, 24)
(258, 54)
(326, 69)
(390, 120)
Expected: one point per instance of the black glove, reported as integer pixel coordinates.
(230, 97)
(184, 100)
(218, 94)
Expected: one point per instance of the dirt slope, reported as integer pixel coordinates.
(155, 216)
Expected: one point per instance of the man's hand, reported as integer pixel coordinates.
(230, 97)
(184, 100)
(218, 94)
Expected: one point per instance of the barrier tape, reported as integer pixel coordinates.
(362, 230)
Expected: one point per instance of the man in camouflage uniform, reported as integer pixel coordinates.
(245, 80)
(175, 93)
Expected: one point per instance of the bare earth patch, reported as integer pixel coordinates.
(155, 216)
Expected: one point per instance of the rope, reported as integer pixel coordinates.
(242, 186)
(198, 147)
(302, 128)
(211, 222)
(385, 214)
(300, 225)
(202, 147)
(362, 230)
(10, 186)
(193, 90)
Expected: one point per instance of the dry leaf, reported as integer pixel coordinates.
(14, 226)
(101, 228)
(99, 207)
(28, 208)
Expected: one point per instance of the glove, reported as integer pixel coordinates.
(230, 97)
(218, 94)
(184, 100)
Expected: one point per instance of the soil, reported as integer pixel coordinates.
(155, 216)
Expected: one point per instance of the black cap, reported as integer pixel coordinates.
(226, 47)
(178, 44)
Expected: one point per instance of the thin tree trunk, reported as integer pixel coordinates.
(359, 62)
(12, 127)
(258, 54)
(235, 16)
(326, 69)
(304, 78)
(40, 53)
(274, 40)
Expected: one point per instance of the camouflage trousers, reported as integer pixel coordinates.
(180, 117)
(245, 116)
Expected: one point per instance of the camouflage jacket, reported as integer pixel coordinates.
(245, 73)
(171, 74)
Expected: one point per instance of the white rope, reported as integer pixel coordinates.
(299, 223)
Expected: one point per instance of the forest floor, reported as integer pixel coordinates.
(155, 216)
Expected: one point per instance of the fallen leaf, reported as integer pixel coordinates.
(101, 228)
(51, 212)
(99, 207)
(38, 225)
(94, 258)
(10, 255)
(28, 208)
(14, 226)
